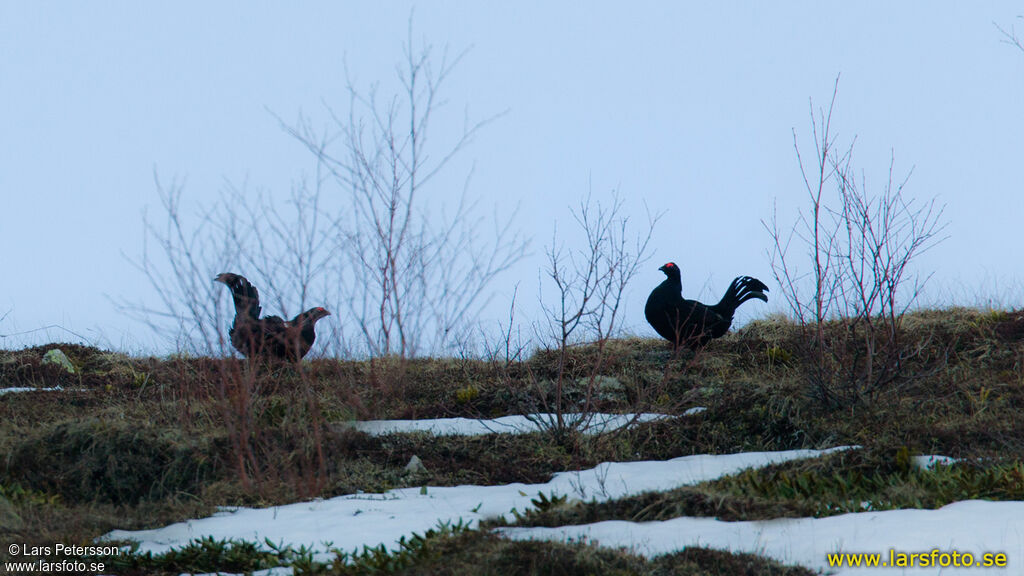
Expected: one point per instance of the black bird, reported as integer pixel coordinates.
(271, 336)
(682, 321)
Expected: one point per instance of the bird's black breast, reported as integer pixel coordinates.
(662, 308)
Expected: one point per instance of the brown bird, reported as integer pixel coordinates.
(271, 336)
(682, 321)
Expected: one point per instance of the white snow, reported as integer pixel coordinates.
(279, 571)
(973, 526)
(516, 424)
(352, 521)
(928, 461)
(28, 389)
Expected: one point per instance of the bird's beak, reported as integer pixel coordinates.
(662, 269)
(220, 278)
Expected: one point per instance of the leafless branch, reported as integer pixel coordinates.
(356, 235)
(1010, 36)
(861, 246)
(416, 280)
(589, 284)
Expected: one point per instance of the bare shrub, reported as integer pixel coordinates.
(414, 281)
(283, 246)
(356, 236)
(861, 245)
(589, 283)
(1010, 36)
(270, 414)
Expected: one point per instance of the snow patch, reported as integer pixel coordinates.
(517, 424)
(28, 389)
(356, 520)
(928, 461)
(974, 526)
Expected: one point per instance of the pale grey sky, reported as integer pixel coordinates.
(687, 106)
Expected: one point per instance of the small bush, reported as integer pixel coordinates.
(115, 462)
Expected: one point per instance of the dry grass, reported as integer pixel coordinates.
(136, 442)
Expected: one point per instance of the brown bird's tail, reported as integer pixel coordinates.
(245, 295)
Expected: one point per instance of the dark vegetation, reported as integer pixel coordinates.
(140, 442)
(135, 443)
(451, 550)
(849, 481)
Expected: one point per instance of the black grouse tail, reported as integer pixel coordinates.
(245, 295)
(743, 288)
